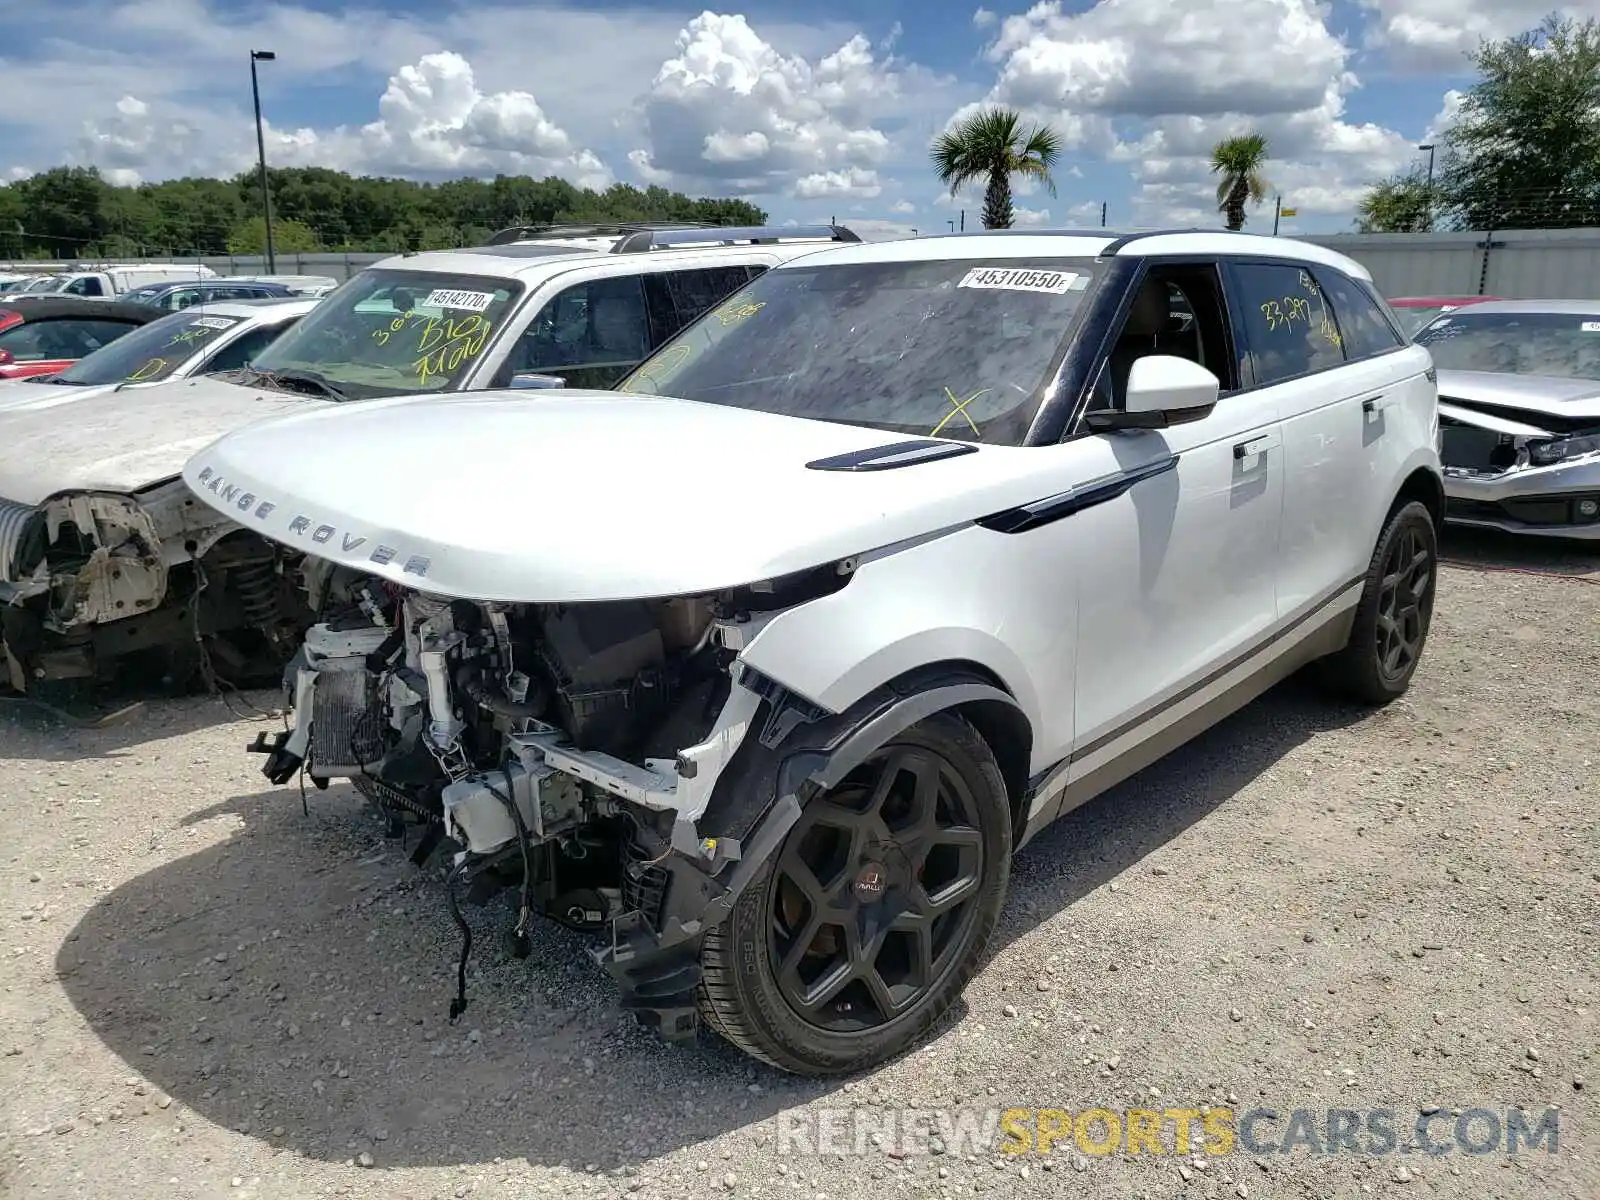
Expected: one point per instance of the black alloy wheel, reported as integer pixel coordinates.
(873, 913)
(1405, 598)
(877, 890)
(1392, 618)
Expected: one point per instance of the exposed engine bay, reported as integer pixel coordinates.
(564, 750)
(89, 580)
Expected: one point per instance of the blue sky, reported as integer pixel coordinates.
(819, 110)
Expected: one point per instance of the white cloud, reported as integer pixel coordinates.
(731, 112)
(1138, 82)
(1439, 35)
(433, 122)
(902, 206)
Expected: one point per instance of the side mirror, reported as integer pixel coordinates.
(531, 380)
(1162, 390)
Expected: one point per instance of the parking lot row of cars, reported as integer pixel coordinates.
(747, 596)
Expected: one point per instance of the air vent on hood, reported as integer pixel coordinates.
(895, 454)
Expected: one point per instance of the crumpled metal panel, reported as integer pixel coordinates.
(13, 518)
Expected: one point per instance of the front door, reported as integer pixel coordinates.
(1183, 585)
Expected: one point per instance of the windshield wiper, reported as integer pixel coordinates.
(63, 382)
(296, 375)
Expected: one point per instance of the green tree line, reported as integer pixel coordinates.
(1524, 151)
(73, 212)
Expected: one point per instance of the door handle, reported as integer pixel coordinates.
(1375, 404)
(1259, 445)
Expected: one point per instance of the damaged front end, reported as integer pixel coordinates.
(1528, 472)
(90, 581)
(570, 752)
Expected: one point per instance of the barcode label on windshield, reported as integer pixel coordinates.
(213, 322)
(1018, 279)
(468, 301)
(1590, 327)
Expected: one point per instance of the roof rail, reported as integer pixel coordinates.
(522, 233)
(657, 239)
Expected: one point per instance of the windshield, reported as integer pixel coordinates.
(957, 349)
(149, 353)
(46, 283)
(1414, 318)
(1562, 345)
(384, 333)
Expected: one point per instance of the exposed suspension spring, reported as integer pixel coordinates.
(256, 584)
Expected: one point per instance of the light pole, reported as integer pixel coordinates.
(261, 150)
(1429, 147)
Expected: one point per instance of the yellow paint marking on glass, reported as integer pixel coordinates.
(662, 365)
(733, 314)
(148, 370)
(445, 344)
(959, 410)
(190, 336)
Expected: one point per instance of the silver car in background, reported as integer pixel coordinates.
(1519, 415)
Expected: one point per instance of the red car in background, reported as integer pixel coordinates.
(46, 334)
(1417, 311)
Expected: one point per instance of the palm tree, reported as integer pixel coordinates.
(992, 144)
(1239, 161)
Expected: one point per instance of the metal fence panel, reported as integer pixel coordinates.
(1519, 263)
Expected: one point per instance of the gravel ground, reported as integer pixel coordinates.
(208, 993)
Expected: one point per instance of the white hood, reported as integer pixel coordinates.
(567, 496)
(31, 394)
(121, 441)
(1544, 395)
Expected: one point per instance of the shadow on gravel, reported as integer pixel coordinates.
(29, 733)
(1493, 548)
(1095, 843)
(292, 981)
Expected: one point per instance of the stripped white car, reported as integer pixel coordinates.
(764, 667)
(1519, 402)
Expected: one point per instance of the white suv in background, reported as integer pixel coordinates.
(895, 556)
(96, 528)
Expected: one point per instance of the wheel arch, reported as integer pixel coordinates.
(1425, 485)
(796, 748)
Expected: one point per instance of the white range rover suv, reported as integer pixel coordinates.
(102, 552)
(763, 665)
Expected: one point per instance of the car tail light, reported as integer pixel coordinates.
(7, 358)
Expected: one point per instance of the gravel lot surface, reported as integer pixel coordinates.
(207, 993)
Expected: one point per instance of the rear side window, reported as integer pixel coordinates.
(1365, 329)
(243, 349)
(679, 298)
(1288, 326)
(68, 337)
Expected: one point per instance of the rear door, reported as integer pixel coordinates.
(1329, 398)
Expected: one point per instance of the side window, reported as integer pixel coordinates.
(1288, 327)
(1366, 330)
(40, 341)
(1177, 310)
(679, 298)
(182, 298)
(86, 286)
(244, 348)
(591, 335)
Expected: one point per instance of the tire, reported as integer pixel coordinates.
(1396, 611)
(942, 878)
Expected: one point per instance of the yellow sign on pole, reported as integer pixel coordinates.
(1288, 212)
